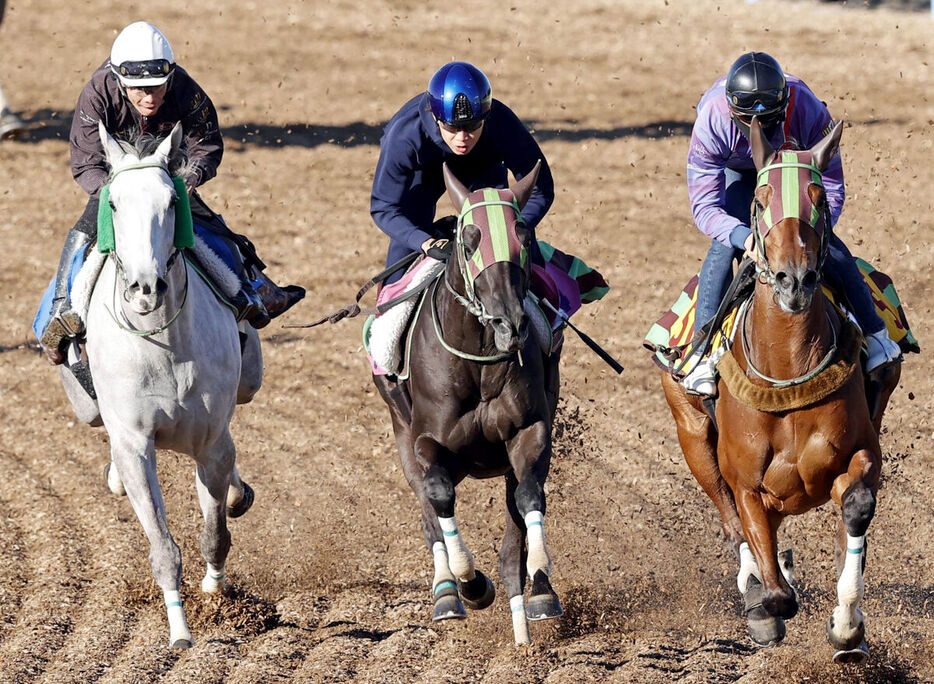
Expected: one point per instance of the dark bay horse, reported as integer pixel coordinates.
(483, 399)
(795, 427)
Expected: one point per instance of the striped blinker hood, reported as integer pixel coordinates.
(495, 213)
(789, 177)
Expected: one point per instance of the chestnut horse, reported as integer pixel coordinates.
(483, 399)
(795, 427)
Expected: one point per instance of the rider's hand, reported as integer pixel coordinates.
(438, 248)
(750, 246)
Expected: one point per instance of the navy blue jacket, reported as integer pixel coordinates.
(408, 180)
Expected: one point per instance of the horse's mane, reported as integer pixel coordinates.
(143, 144)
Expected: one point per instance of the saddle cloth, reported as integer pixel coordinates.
(86, 267)
(565, 283)
(670, 339)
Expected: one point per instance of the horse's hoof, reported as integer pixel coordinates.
(115, 487)
(764, 629)
(854, 656)
(183, 644)
(543, 607)
(243, 505)
(448, 607)
(478, 593)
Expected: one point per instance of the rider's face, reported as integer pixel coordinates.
(148, 99)
(460, 140)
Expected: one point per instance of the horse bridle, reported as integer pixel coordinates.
(767, 277)
(121, 269)
(470, 302)
(763, 270)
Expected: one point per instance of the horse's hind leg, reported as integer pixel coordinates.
(239, 495)
(213, 481)
(512, 559)
(855, 492)
(530, 454)
(136, 463)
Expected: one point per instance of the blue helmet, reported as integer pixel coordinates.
(459, 94)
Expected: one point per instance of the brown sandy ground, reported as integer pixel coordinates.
(330, 578)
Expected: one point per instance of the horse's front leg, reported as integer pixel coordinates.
(530, 456)
(134, 457)
(773, 600)
(855, 492)
(213, 481)
(476, 589)
(512, 560)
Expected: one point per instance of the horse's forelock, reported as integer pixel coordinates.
(143, 144)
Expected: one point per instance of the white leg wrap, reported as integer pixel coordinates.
(3, 102)
(850, 588)
(114, 484)
(178, 625)
(442, 569)
(520, 624)
(747, 567)
(214, 580)
(460, 560)
(538, 555)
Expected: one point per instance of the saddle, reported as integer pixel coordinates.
(387, 335)
(675, 348)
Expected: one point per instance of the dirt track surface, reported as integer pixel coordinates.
(330, 577)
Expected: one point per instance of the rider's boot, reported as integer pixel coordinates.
(250, 307)
(276, 300)
(64, 322)
(882, 350)
(10, 124)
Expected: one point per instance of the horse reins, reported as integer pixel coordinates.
(121, 270)
(470, 302)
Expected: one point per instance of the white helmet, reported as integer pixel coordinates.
(142, 56)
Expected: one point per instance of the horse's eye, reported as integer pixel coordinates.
(113, 207)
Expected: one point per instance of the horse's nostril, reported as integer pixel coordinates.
(809, 281)
(146, 289)
(161, 286)
(134, 286)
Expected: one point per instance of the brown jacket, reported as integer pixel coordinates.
(102, 99)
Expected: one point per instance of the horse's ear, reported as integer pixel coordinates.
(112, 150)
(457, 191)
(523, 188)
(762, 149)
(169, 146)
(824, 151)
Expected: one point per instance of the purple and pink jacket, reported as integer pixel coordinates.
(718, 144)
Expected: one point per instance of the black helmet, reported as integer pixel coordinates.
(756, 86)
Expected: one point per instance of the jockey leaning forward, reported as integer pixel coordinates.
(456, 121)
(138, 90)
(721, 180)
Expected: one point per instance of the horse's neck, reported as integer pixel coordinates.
(783, 345)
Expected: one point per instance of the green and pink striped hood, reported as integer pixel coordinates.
(791, 173)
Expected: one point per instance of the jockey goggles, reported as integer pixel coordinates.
(758, 102)
(146, 69)
(469, 127)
